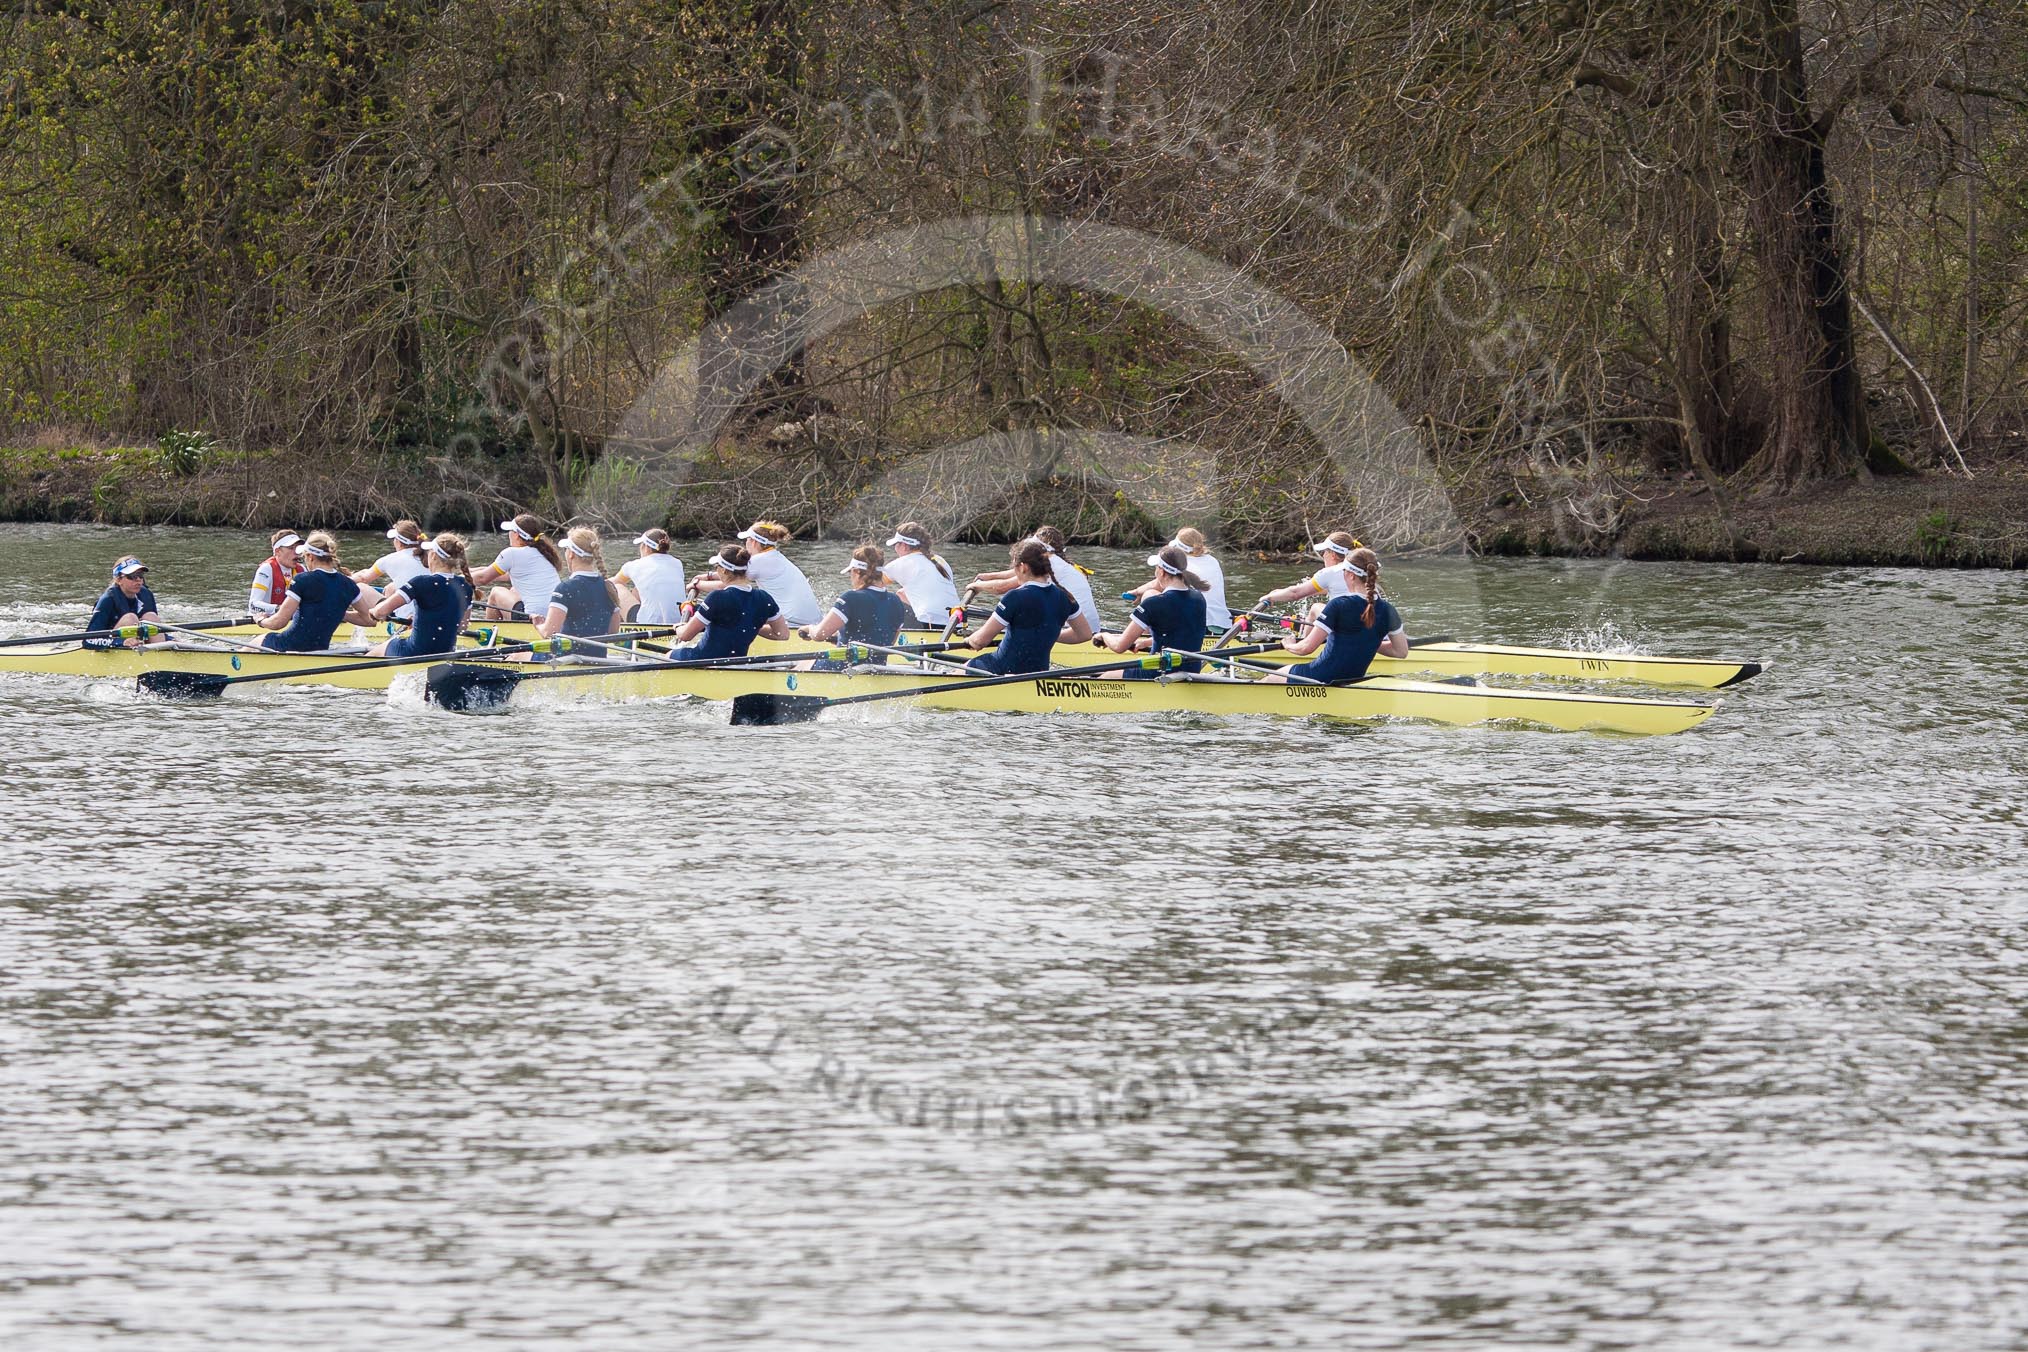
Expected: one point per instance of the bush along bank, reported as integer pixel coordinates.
(1926, 521)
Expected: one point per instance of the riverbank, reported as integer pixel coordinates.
(1925, 521)
(1913, 521)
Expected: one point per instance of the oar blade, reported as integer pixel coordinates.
(467, 688)
(766, 711)
(181, 684)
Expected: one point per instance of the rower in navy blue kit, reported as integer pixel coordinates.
(127, 601)
(1352, 629)
(319, 599)
(731, 615)
(1172, 615)
(441, 599)
(584, 604)
(1031, 619)
(867, 613)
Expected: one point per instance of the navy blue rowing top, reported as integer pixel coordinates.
(587, 609)
(1176, 619)
(872, 615)
(732, 615)
(1349, 646)
(114, 606)
(1034, 614)
(323, 595)
(441, 600)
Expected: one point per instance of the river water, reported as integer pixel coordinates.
(333, 1021)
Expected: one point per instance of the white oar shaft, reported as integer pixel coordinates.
(217, 638)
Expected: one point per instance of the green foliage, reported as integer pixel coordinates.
(106, 492)
(1935, 535)
(182, 454)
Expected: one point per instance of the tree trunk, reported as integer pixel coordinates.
(1702, 321)
(753, 179)
(1820, 426)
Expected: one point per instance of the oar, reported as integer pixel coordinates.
(240, 644)
(125, 631)
(205, 685)
(924, 651)
(466, 687)
(767, 709)
(1291, 622)
(960, 613)
(1227, 660)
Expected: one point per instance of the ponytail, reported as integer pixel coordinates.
(867, 567)
(527, 524)
(1368, 562)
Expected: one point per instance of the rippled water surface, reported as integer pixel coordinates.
(333, 1021)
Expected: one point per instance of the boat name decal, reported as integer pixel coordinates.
(1060, 689)
(1295, 691)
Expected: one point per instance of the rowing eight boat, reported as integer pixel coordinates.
(1440, 659)
(1374, 697)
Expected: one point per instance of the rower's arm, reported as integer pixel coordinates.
(387, 605)
(776, 627)
(821, 631)
(551, 621)
(1122, 642)
(999, 584)
(704, 586)
(370, 573)
(1291, 592)
(1395, 644)
(1077, 631)
(282, 615)
(986, 632)
(488, 575)
(692, 627)
(1312, 639)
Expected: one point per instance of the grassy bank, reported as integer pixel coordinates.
(1916, 521)
(1931, 520)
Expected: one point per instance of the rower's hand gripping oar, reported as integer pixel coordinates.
(206, 685)
(152, 630)
(759, 710)
(958, 613)
(465, 686)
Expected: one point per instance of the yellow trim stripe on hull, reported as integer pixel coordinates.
(1439, 659)
(1376, 697)
(70, 659)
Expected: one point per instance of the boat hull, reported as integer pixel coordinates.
(1437, 659)
(1375, 697)
(71, 659)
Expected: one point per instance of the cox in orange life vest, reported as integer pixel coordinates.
(272, 578)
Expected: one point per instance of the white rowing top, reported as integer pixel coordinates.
(932, 595)
(659, 580)
(1072, 579)
(774, 574)
(1216, 613)
(398, 568)
(531, 576)
(1333, 581)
